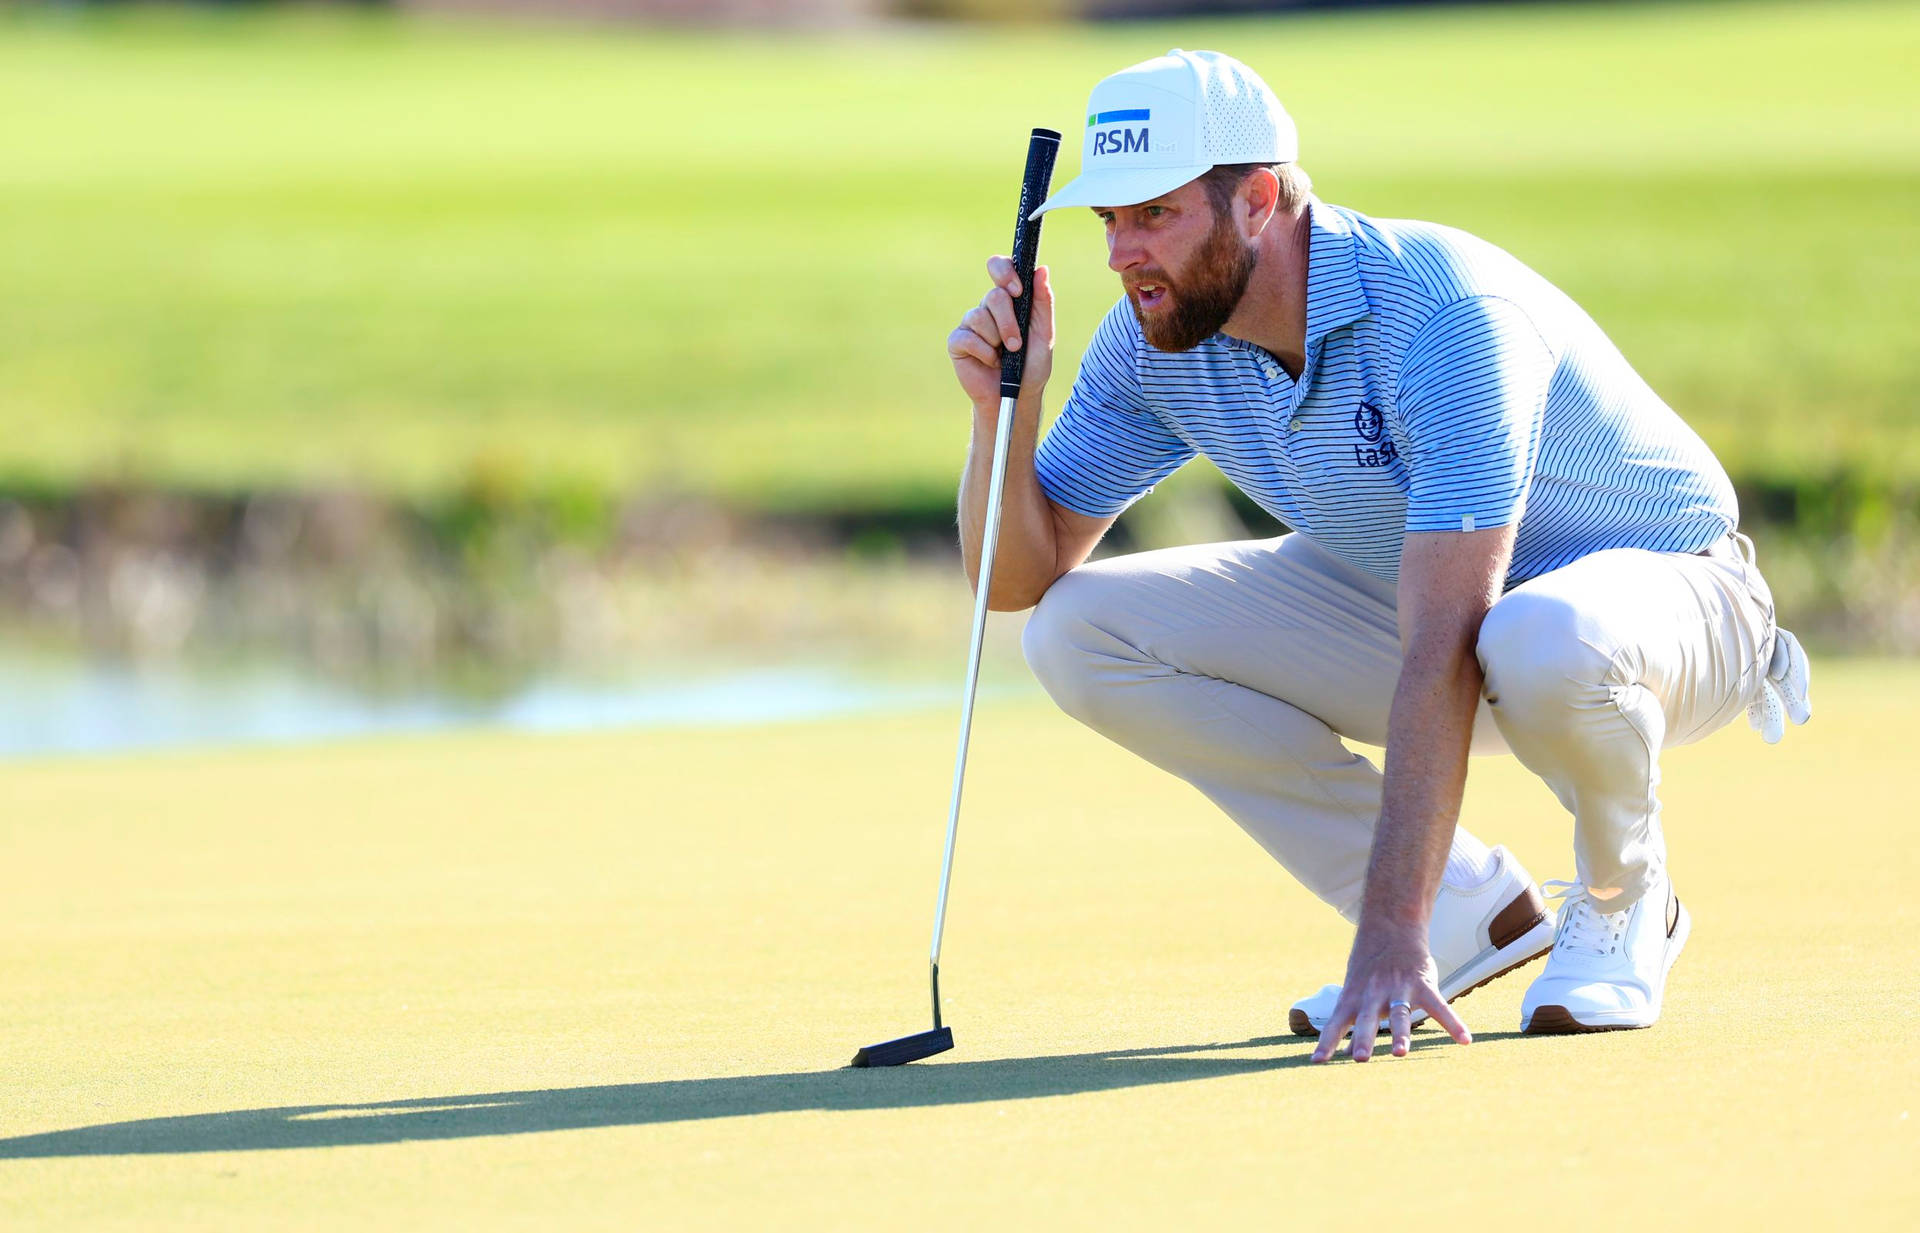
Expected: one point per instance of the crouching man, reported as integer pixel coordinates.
(1503, 541)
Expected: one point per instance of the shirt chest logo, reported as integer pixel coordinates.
(1372, 450)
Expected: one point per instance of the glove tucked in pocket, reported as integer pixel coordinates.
(1784, 692)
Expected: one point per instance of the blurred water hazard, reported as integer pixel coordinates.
(62, 705)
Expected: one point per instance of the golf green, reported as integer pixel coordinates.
(612, 980)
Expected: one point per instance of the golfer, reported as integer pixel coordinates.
(1502, 541)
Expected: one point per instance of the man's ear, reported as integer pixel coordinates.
(1256, 201)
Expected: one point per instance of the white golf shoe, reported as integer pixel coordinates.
(1475, 936)
(1608, 970)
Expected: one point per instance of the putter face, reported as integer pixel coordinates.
(906, 1049)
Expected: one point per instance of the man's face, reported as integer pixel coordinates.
(1183, 266)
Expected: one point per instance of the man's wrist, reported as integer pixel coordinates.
(988, 410)
(1395, 914)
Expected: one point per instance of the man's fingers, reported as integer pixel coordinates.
(963, 343)
(1337, 1025)
(1400, 1023)
(1331, 1035)
(1001, 271)
(1040, 320)
(981, 322)
(1436, 1006)
(1371, 1008)
(999, 305)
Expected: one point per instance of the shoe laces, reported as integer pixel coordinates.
(1583, 929)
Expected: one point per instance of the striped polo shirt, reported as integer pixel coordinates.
(1447, 387)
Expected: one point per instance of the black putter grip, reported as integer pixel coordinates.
(1042, 148)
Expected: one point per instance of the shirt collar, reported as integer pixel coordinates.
(1335, 294)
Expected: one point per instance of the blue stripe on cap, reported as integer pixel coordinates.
(1131, 113)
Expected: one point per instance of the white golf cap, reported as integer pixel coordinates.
(1163, 122)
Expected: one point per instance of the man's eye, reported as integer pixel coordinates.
(1156, 211)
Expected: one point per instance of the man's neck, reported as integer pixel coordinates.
(1273, 312)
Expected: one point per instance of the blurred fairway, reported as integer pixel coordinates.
(607, 981)
(241, 252)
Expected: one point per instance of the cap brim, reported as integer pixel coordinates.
(1120, 187)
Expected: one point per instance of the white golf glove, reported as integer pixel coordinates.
(1783, 694)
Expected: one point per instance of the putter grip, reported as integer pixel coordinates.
(1042, 148)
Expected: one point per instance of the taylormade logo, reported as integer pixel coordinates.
(1120, 140)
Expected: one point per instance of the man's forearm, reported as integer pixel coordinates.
(1449, 581)
(1025, 561)
(1429, 729)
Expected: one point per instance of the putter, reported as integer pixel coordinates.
(1042, 147)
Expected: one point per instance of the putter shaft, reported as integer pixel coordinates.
(990, 540)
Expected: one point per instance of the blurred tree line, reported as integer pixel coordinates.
(808, 12)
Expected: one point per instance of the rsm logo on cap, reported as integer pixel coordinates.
(1120, 140)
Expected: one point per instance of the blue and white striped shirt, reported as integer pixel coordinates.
(1447, 387)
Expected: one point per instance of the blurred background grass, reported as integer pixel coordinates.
(286, 250)
(516, 285)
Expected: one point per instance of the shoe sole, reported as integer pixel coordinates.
(1551, 1020)
(1559, 1021)
(1301, 1025)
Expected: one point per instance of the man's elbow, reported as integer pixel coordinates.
(1012, 592)
(997, 602)
(1011, 597)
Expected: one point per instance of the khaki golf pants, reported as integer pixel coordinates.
(1240, 666)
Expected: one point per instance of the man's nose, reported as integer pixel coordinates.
(1124, 251)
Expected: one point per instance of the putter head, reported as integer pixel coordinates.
(906, 1049)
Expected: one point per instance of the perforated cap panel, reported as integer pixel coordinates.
(1241, 120)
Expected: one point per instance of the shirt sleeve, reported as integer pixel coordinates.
(1108, 448)
(1472, 397)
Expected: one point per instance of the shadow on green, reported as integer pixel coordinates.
(485, 1114)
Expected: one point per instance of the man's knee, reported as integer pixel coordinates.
(1060, 639)
(1538, 650)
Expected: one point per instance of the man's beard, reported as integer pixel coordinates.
(1202, 301)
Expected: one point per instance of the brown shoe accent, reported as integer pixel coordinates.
(1523, 913)
(1556, 1021)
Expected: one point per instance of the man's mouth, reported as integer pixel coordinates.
(1149, 295)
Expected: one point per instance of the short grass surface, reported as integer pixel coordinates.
(307, 249)
(610, 981)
